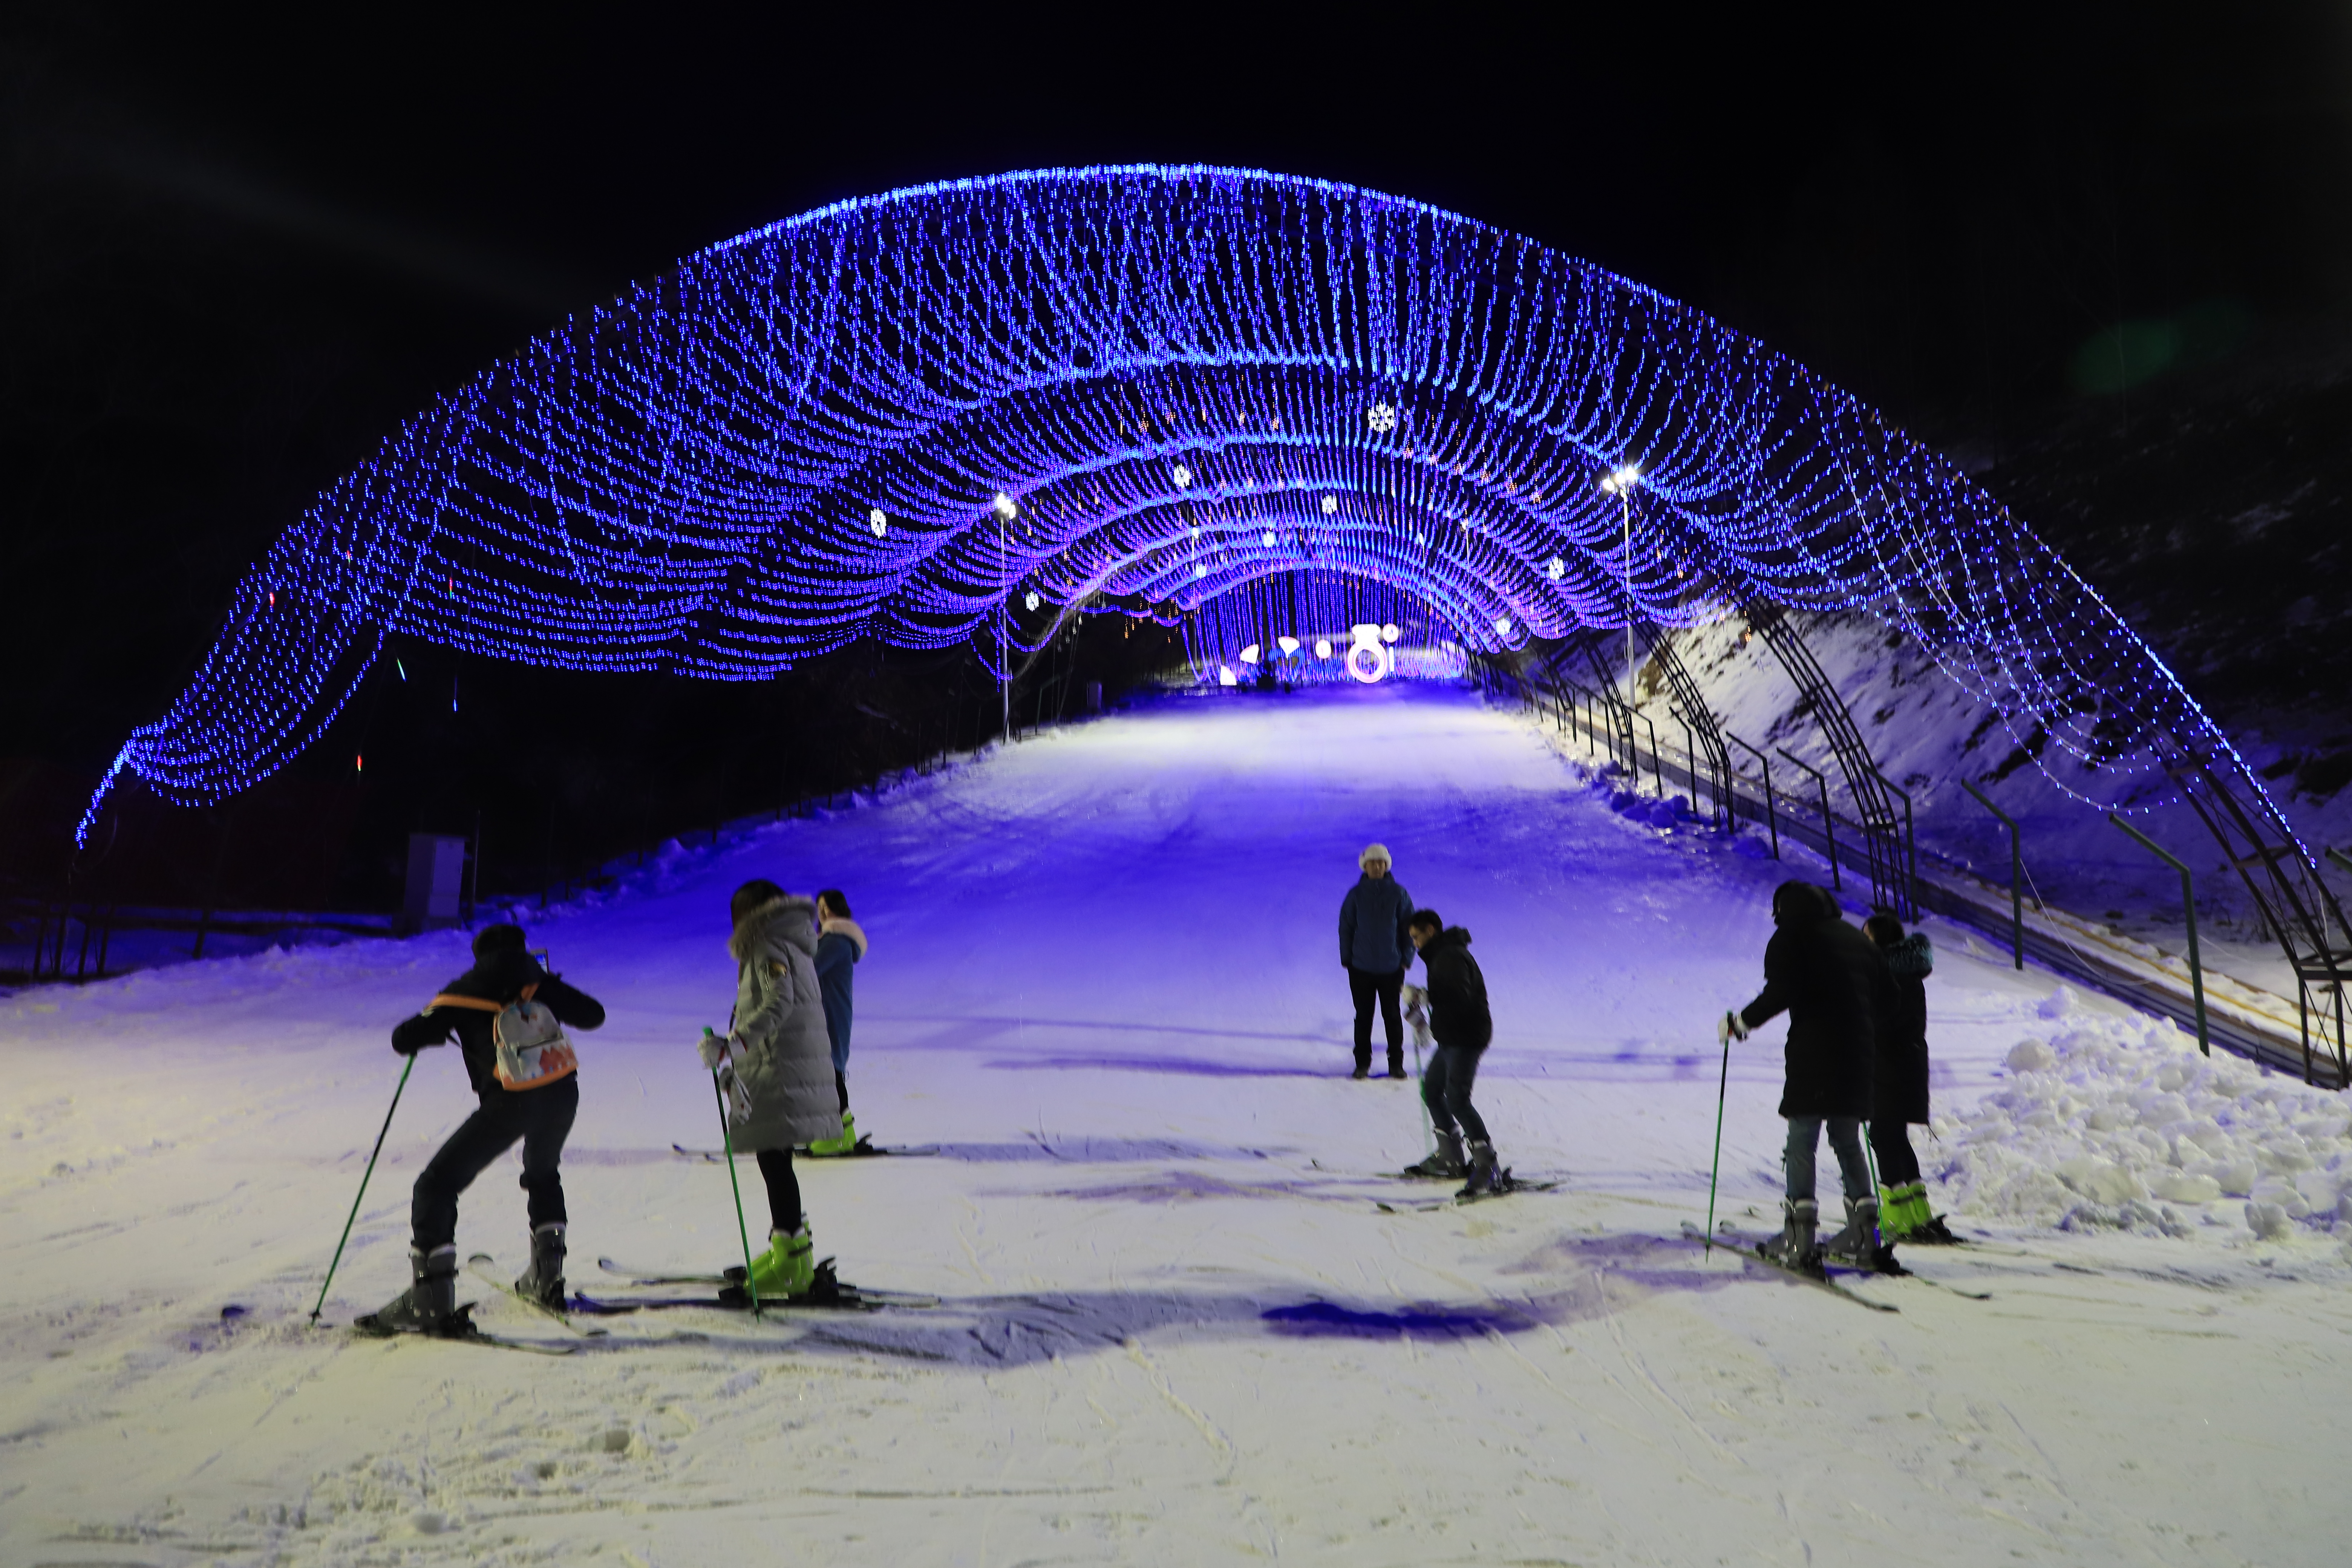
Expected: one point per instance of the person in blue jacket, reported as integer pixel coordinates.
(840, 943)
(1374, 948)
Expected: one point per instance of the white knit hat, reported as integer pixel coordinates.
(1374, 852)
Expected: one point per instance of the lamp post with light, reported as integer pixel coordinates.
(1006, 512)
(1620, 485)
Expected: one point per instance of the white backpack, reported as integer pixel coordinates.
(533, 1050)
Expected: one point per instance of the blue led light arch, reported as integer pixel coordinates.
(1179, 380)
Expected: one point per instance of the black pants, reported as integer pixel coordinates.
(1890, 1144)
(1363, 985)
(1446, 1090)
(783, 1189)
(540, 1118)
(841, 1088)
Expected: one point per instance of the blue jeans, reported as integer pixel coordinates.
(1846, 1140)
(1446, 1090)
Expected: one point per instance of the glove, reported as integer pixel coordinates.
(713, 1050)
(1730, 1029)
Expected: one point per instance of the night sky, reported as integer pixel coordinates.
(236, 255)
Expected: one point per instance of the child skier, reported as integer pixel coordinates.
(773, 1062)
(537, 1110)
(1899, 1087)
(1461, 1026)
(1834, 987)
(840, 943)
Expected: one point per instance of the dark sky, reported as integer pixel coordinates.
(234, 255)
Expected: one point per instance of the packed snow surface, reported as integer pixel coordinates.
(1177, 1326)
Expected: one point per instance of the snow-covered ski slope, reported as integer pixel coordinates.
(1176, 1327)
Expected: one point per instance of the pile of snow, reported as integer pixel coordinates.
(2118, 1122)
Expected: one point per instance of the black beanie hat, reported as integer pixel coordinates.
(497, 938)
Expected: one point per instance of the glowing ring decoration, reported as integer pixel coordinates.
(1011, 371)
(1368, 641)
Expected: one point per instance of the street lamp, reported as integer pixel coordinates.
(1620, 485)
(1006, 512)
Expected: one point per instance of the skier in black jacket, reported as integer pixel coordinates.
(1461, 1025)
(1832, 983)
(539, 1117)
(1898, 1095)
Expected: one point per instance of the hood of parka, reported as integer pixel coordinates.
(843, 926)
(1913, 958)
(790, 919)
(1798, 903)
(1446, 941)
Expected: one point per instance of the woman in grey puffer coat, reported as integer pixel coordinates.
(776, 1064)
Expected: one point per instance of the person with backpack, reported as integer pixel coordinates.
(503, 1012)
(1834, 987)
(1373, 950)
(840, 943)
(1461, 1026)
(1899, 1093)
(776, 1067)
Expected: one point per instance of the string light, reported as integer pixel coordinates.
(1197, 381)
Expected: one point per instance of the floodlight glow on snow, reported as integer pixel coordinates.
(813, 434)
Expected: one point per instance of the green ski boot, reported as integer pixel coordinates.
(833, 1148)
(787, 1270)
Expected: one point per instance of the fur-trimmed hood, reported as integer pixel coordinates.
(843, 926)
(789, 919)
(1913, 958)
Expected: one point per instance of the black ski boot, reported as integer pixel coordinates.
(1794, 1247)
(1445, 1163)
(1481, 1173)
(1936, 1233)
(543, 1283)
(429, 1305)
(1856, 1246)
(1363, 1069)
(1396, 1063)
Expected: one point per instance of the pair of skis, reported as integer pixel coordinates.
(1732, 1242)
(865, 1149)
(1505, 1185)
(831, 1296)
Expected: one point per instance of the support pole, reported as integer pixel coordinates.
(2016, 874)
(1828, 823)
(2188, 908)
(1771, 808)
(320, 1305)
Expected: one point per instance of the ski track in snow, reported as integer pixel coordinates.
(1175, 1327)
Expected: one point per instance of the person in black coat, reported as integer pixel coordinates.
(1899, 1087)
(539, 1114)
(1461, 1026)
(1832, 983)
(1374, 950)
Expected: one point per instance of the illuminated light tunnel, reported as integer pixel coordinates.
(962, 411)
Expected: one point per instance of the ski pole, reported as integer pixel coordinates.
(1713, 1169)
(726, 1143)
(356, 1197)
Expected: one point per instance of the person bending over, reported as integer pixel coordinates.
(535, 1107)
(1461, 1025)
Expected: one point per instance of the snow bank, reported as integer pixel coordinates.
(2118, 1122)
